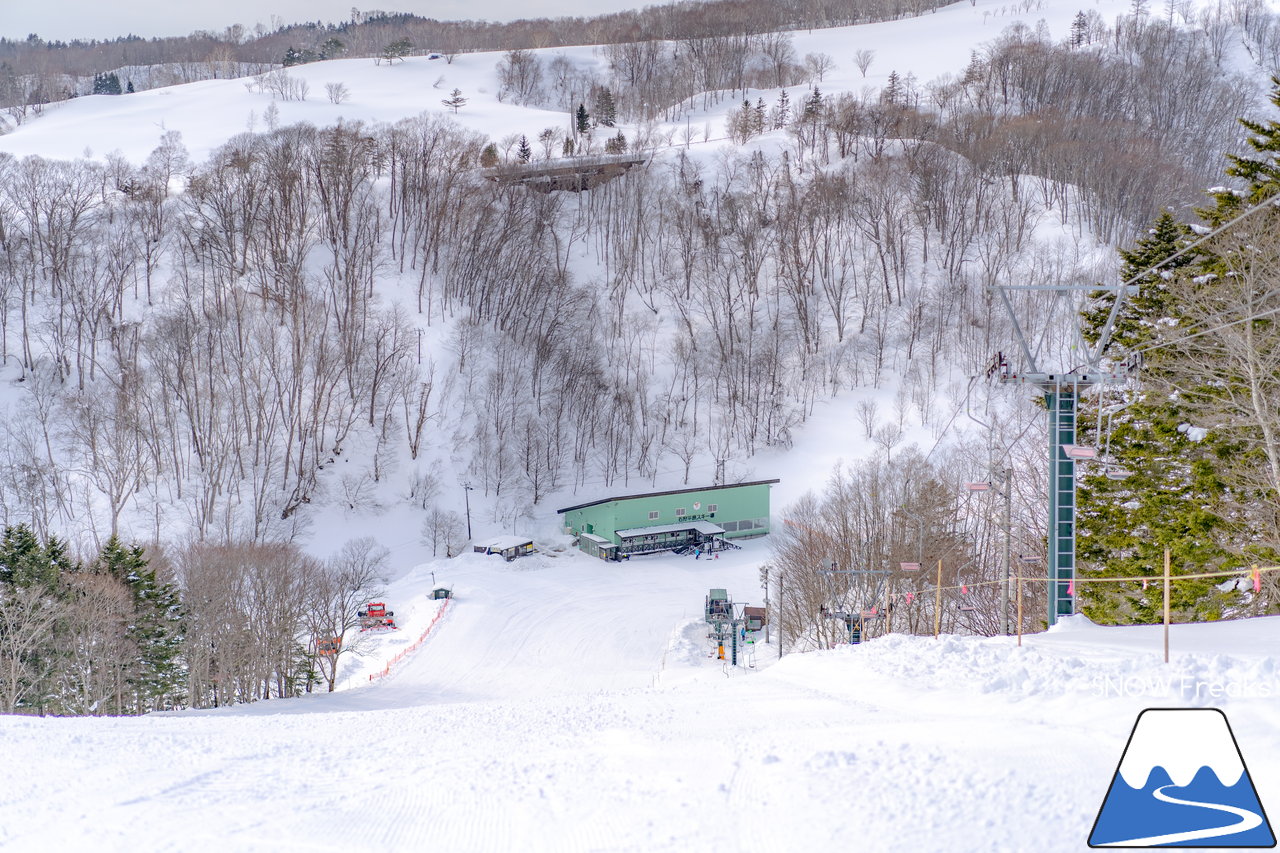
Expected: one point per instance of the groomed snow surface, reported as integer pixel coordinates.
(566, 704)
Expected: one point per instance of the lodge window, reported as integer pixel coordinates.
(712, 507)
(653, 515)
(679, 512)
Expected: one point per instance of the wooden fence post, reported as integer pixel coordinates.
(1166, 605)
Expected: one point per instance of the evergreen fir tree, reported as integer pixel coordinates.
(332, 47)
(782, 111)
(606, 113)
(758, 117)
(397, 49)
(974, 71)
(524, 152)
(1262, 174)
(1174, 495)
(892, 92)
(616, 144)
(156, 626)
(1135, 323)
(812, 105)
(567, 149)
(25, 562)
(455, 101)
(1079, 29)
(582, 120)
(129, 89)
(106, 84)
(292, 57)
(741, 123)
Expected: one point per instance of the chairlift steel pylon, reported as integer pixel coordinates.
(844, 610)
(1061, 388)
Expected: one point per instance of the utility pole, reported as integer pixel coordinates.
(466, 493)
(1008, 546)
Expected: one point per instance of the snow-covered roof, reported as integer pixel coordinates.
(669, 492)
(599, 540)
(502, 543)
(704, 527)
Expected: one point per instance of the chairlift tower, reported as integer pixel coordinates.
(880, 577)
(1062, 389)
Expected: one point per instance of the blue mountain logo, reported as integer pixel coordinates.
(1182, 782)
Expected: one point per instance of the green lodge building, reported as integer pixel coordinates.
(707, 516)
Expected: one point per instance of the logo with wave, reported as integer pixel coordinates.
(1182, 782)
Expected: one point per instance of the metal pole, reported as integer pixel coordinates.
(888, 611)
(937, 602)
(466, 492)
(1166, 605)
(1008, 546)
(1020, 608)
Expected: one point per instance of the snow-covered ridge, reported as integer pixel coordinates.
(210, 112)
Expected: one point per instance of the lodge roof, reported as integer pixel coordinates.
(669, 492)
(704, 527)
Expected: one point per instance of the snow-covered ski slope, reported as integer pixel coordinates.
(565, 704)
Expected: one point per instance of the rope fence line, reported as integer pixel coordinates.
(1167, 579)
(413, 647)
(1242, 574)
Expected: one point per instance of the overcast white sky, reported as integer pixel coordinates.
(68, 19)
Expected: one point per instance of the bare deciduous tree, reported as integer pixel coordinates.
(338, 93)
(863, 59)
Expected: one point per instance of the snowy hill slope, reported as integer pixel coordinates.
(569, 705)
(210, 112)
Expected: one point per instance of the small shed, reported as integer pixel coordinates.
(755, 617)
(441, 592)
(598, 546)
(509, 547)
